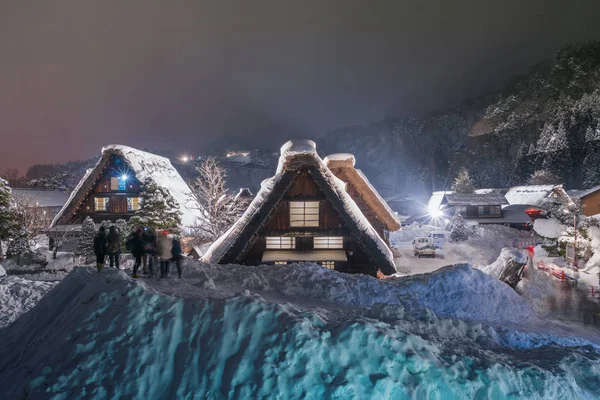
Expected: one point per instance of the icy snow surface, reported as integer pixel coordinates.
(507, 254)
(18, 295)
(549, 228)
(295, 331)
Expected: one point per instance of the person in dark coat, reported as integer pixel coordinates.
(176, 251)
(149, 244)
(114, 246)
(100, 247)
(135, 243)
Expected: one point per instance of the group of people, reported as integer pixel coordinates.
(149, 248)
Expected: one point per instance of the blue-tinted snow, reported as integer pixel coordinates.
(291, 332)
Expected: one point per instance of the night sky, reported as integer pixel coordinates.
(179, 75)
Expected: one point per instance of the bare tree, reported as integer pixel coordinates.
(33, 217)
(219, 205)
(11, 175)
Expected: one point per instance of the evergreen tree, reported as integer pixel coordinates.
(591, 134)
(85, 245)
(159, 209)
(592, 171)
(19, 245)
(9, 217)
(463, 182)
(543, 177)
(458, 229)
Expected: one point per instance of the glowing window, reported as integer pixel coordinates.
(101, 203)
(304, 214)
(134, 203)
(277, 242)
(280, 262)
(328, 264)
(328, 242)
(118, 183)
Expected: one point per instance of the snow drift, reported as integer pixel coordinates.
(17, 296)
(297, 331)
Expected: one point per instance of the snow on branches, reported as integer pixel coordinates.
(458, 229)
(159, 209)
(463, 182)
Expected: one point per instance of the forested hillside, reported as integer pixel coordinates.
(547, 119)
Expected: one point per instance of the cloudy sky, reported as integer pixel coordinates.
(183, 74)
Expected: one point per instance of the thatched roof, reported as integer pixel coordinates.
(342, 166)
(145, 166)
(296, 155)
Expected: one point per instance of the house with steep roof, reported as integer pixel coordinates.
(112, 189)
(589, 198)
(483, 208)
(372, 205)
(535, 200)
(304, 213)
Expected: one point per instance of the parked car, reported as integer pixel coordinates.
(437, 239)
(422, 247)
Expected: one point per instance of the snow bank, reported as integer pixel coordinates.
(549, 228)
(2, 272)
(17, 296)
(495, 269)
(297, 331)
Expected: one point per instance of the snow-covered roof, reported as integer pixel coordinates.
(580, 194)
(533, 195)
(41, 197)
(435, 201)
(517, 216)
(144, 165)
(342, 166)
(293, 154)
(475, 199)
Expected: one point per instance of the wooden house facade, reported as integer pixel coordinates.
(303, 215)
(112, 189)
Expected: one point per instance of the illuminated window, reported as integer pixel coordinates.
(133, 203)
(276, 242)
(328, 242)
(328, 264)
(280, 262)
(304, 214)
(118, 183)
(101, 203)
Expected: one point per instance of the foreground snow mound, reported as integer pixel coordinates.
(2, 272)
(223, 334)
(17, 296)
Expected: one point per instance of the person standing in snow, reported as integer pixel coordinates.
(164, 247)
(100, 247)
(176, 252)
(136, 246)
(149, 245)
(114, 246)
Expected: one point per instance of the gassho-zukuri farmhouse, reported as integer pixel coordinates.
(311, 210)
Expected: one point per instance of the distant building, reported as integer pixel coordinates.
(589, 198)
(45, 203)
(372, 205)
(304, 214)
(535, 200)
(112, 189)
(483, 208)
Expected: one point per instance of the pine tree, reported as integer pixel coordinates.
(543, 177)
(159, 209)
(463, 182)
(19, 245)
(592, 134)
(9, 217)
(458, 229)
(592, 172)
(85, 244)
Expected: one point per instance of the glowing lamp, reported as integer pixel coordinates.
(124, 177)
(435, 213)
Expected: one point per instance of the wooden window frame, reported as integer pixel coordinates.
(328, 264)
(328, 242)
(130, 203)
(105, 201)
(305, 214)
(280, 243)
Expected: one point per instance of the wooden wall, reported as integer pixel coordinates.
(591, 204)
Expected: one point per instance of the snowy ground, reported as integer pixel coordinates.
(295, 331)
(17, 296)
(482, 248)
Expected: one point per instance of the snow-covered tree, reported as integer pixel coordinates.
(543, 177)
(85, 243)
(9, 217)
(592, 172)
(592, 134)
(19, 245)
(458, 229)
(220, 207)
(463, 182)
(159, 209)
